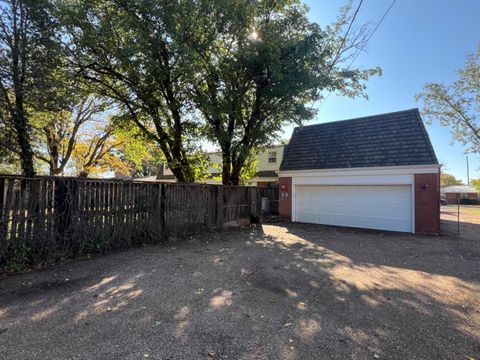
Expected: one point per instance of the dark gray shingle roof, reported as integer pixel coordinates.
(266, 173)
(391, 139)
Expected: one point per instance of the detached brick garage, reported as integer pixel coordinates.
(376, 172)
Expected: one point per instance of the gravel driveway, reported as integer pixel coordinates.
(284, 291)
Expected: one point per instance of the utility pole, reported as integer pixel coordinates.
(468, 171)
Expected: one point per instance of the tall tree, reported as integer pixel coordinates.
(138, 155)
(57, 132)
(95, 151)
(457, 105)
(28, 53)
(132, 52)
(263, 65)
(113, 146)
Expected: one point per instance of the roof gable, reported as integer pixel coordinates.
(392, 139)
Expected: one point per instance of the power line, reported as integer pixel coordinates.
(337, 55)
(348, 30)
(366, 42)
(374, 30)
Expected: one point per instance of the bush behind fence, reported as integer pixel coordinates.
(47, 218)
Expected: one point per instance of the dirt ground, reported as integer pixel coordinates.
(469, 220)
(282, 291)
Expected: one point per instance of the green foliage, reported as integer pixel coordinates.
(135, 149)
(449, 180)
(30, 58)
(248, 172)
(98, 151)
(199, 165)
(457, 105)
(234, 72)
(56, 132)
(131, 51)
(476, 183)
(262, 65)
(9, 161)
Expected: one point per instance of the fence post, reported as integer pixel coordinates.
(458, 214)
(215, 205)
(162, 209)
(3, 222)
(2, 193)
(63, 207)
(258, 203)
(255, 202)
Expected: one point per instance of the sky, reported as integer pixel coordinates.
(419, 41)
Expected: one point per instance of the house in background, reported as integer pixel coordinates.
(375, 172)
(452, 193)
(268, 163)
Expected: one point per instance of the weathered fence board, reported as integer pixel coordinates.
(46, 218)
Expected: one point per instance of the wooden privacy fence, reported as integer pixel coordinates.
(50, 217)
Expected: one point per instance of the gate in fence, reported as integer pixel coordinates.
(269, 198)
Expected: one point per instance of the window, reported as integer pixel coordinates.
(463, 196)
(272, 157)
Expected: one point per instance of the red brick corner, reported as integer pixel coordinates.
(427, 203)
(285, 198)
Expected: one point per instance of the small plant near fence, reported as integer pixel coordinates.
(48, 218)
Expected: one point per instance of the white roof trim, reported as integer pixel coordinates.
(379, 170)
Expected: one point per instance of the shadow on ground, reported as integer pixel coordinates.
(285, 291)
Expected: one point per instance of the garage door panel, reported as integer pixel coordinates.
(374, 207)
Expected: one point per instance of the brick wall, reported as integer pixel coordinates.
(427, 203)
(285, 198)
(452, 197)
(472, 195)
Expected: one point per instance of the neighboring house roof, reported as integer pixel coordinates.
(165, 177)
(153, 178)
(146, 178)
(458, 189)
(267, 173)
(392, 139)
(259, 174)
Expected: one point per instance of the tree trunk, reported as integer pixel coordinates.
(19, 61)
(178, 173)
(226, 166)
(236, 170)
(23, 139)
(54, 170)
(231, 174)
(54, 158)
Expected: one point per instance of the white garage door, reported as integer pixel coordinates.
(371, 207)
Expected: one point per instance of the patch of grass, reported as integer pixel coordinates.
(474, 210)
